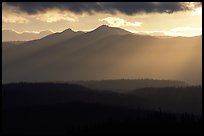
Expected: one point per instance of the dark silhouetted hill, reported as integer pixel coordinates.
(173, 98)
(59, 108)
(28, 94)
(125, 85)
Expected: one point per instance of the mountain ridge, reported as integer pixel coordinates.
(100, 29)
(103, 54)
(10, 35)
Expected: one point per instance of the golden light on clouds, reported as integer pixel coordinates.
(181, 23)
(14, 19)
(118, 22)
(184, 31)
(12, 15)
(197, 11)
(55, 16)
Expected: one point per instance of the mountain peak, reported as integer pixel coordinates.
(68, 30)
(103, 26)
(110, 30)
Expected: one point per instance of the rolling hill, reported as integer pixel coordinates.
(60, 108)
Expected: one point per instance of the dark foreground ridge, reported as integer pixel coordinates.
(48, 108)
(124, 85)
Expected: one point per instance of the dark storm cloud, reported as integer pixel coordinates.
(111, 7)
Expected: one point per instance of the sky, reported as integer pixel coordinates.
(153, 18)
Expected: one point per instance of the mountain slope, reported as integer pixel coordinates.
(104, 53)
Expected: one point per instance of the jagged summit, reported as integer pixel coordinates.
(67, 30)
(103, 27)
(109, 30)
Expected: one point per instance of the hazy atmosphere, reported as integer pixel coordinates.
(83, 50)
(102, 68)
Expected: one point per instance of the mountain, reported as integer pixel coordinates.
(11, 43)
(172, 99)
(60, 108)
(126, 85)
(104, 53)
(10, 35)
(106, 30)
(60, 37)
(55, 38)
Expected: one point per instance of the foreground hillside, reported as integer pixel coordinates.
(91, 118)
(36, 108)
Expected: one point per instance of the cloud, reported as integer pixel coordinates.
(129, 8)
(178, 31)
(118, 22)
(152, 33)
(192, 4)
(12, 15)
(14, 19)
(197, 11)
(54, 16)
(28, 32)
(175, 34)
(185, 29)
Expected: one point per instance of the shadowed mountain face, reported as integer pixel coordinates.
(9, 35)
(105, 53)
